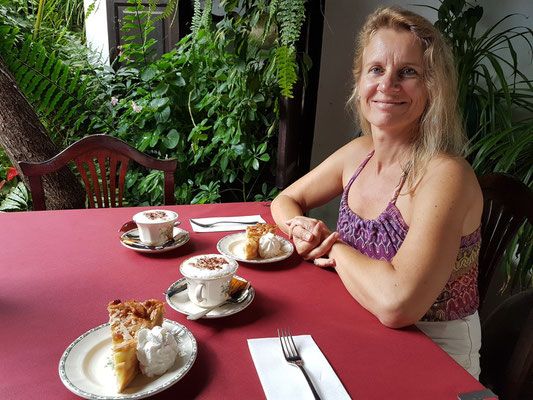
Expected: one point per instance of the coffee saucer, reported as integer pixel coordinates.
(130, 240)
(181, 303)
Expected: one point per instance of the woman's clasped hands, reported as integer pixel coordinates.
(312, 239)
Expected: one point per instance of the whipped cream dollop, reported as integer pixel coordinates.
(156, 350)
(269, 245)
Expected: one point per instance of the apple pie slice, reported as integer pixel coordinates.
(126, 320)
(253, 234)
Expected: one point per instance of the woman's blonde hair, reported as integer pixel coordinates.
(440, 127)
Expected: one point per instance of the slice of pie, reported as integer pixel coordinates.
(253, 234)
(126, 320)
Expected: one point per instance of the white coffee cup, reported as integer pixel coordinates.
(208, 278)
(155, 226)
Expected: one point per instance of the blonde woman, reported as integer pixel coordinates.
(408, 237)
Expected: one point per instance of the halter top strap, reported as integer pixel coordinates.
(400, 184)
(398, 187)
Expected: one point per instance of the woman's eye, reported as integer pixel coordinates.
(375, 70)
(409, 72)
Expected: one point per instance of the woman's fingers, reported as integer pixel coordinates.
(311, 237)
(323, 247)
(324, 262)
(303, 229)
(299, 232)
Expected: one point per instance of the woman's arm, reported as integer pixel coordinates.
(316, 188)
(400, 292)
(320, 185)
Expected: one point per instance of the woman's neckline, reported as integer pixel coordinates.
(392, 201)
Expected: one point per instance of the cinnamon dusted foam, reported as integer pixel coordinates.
(208, 266)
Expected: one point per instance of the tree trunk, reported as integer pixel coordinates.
(24, 138)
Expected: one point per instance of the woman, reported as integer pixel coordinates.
(408, 237)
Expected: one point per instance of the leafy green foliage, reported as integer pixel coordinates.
(8, 176)
(196, 22)
(497, 102)
(211, 102)
(138, 49)
(171, 9)
(290, 16)
(212, 108)
(287, 69)
(18, 199)
(58, 92)
(492, 88)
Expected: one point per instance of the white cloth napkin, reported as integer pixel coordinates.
(280, 380)
(225, 227)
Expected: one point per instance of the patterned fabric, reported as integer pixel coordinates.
(381, 238)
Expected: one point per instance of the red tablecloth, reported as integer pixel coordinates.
(59, 269)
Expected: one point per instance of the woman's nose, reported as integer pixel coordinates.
(388, 81)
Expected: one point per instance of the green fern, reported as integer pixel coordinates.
(201, 17)
(286, 70)
(196, 21)
(57, 91)
(171, 7)
(18, 199)
(205, 21)
(290, 15)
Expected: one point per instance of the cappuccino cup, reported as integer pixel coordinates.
(155, 226)
(208, 278)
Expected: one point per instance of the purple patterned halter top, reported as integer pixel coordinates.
(381, 238)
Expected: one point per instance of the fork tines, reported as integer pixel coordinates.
(288, 346)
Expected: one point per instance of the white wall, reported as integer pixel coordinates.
(334, 124)
(96, 29)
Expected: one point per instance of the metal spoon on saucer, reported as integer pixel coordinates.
(236, 298)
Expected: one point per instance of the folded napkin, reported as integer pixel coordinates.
(225, 226)
(280, 380)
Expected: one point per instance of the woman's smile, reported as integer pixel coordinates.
(385, 104)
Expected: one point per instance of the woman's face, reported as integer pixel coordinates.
(391, 86)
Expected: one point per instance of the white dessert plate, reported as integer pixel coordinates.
(181, 303)
(181, 236)
(233, 246)
(86, 368)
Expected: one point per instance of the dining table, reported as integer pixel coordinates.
(60, 268)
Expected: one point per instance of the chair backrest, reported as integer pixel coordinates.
(507, 348)
(508, 202)
(112, 157)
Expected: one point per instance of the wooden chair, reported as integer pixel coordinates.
(507, 348)
(508, 202)
(109, 152)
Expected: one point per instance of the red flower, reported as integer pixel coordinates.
(11, 173)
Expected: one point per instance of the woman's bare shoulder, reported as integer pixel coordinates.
(362, 144)
(453, 170)
(351, 155)
(454, 182)
(355, 150)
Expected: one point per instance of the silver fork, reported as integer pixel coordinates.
(293, 356)
(223, 222)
